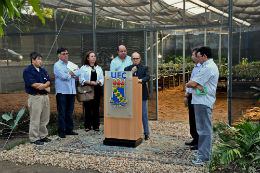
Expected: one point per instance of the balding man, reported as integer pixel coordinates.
(121, 61)
(143, 77)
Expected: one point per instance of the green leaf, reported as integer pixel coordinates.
(9, 7)
(1, 9)
(1, 30)
(7, 117)
(15, 8)
(18, 117)
(5, 124)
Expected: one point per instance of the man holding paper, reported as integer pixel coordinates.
(204, 86)
(65, 73)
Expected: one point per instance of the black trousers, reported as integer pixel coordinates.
(92, 110)
(193, 130)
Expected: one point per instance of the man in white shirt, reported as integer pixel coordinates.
(204, 86)
(121, 61)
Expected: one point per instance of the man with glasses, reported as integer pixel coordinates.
(121, 61)
(65, 73)
(143, 77)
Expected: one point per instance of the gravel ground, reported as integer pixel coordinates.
(28, 155)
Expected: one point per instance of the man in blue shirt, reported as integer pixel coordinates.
(37, 84)
(65, 73)
(121, 61)
(187, 101)
(205, 81)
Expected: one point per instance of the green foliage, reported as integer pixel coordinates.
(237, 148)
(47, 12)
(176, 59)
(247, 70)
(7, 117)
(10, 8)
(16, 144)
(223, 70)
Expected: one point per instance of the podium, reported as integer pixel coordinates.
(122, 109)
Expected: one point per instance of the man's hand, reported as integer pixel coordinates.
(185, 100)
(41, 86)
(48, 89)
(140, 80)
(72, 74)
(201, 88)
(134, 69)
(93, 83)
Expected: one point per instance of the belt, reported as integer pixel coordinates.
(38, 94)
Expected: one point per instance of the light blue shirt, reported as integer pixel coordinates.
(64, 83)
(207, 77)
(85, 74)
(118, 65)
(194, 72)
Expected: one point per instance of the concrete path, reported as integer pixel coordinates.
(11, 167)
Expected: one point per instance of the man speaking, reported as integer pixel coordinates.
(143, 77)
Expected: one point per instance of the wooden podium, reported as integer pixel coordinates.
(123, 124)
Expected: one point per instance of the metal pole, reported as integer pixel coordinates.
(56, 27)
(239, 46)
(94, 26)
(156, 56)
(183, 47)
(229, 85)
(82, 48)
(151, 48)
(219, 46)
(145, 48)
(205, 30)
(220, 39)
(162, 45)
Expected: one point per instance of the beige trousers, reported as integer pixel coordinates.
(39, 108)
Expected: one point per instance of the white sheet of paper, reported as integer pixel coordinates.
(73, 67)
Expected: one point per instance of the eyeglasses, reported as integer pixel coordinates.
(64, 54)
(136, 58)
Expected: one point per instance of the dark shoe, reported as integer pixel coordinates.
(45, 139)
(192, 143)
(87, 129)
(72, 133)
(38, 142)
(62, 135)
(146, 137)
(195, 147)
(97, 130)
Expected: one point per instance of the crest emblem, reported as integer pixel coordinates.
(118, 92)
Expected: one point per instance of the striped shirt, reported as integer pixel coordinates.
(64, 83)
(208, 77)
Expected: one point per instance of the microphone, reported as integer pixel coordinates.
(135, 71)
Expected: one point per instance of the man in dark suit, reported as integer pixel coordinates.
(143, 77)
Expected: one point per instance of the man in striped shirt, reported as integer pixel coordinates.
(204, 86)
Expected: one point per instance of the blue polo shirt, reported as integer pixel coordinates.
(31, 76)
